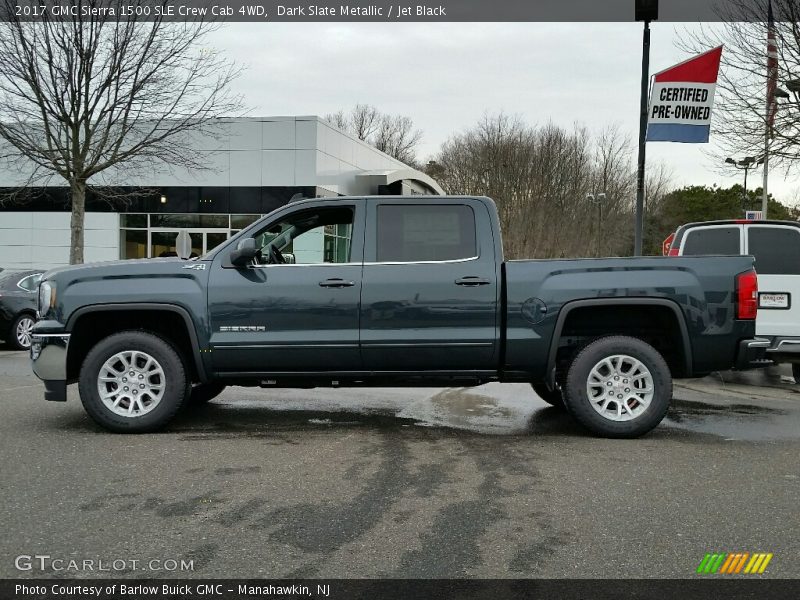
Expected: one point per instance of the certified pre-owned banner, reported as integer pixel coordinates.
(682, 99)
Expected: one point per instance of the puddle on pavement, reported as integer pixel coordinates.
(493, 409)
(249, 412)
(734, 421)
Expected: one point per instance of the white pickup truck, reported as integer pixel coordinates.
(776, 247)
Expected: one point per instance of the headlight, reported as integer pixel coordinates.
(47, 297)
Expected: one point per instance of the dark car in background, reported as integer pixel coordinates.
(18, 306)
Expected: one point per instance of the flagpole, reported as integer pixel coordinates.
(640, 177)
(765, 195)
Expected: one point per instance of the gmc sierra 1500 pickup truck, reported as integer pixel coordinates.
(390, 291)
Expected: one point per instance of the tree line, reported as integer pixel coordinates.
(84, 96)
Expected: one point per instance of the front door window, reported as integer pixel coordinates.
(319, 236)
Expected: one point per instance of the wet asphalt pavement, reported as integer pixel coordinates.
(484, 482)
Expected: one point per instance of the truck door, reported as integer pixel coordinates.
(295, 308)
(431, 287)
(776, 249)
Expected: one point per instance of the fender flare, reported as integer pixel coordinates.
(174, 308)
(567, 308)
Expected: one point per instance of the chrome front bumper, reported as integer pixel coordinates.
(49, 362)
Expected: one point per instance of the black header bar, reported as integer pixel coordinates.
(396, 11)
(702, 587)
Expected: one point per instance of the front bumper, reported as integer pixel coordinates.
(49, 361)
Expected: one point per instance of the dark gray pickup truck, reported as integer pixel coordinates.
(390, 291)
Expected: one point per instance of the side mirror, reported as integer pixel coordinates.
(244, 253)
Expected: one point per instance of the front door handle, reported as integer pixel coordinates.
(336, 283)
(473, 281)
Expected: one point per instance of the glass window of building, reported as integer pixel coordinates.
(153, 235)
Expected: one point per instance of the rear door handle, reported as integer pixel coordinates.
(336, 283)
(473, 281)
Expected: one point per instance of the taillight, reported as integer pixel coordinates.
(746, 295)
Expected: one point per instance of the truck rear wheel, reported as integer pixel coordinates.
(133, 382)
(618, 387)
(554, 396)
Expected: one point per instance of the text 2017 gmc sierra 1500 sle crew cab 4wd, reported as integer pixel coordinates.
(405, 291)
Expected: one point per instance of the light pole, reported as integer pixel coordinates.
(745, 165)
(598, 199)
(647, 11)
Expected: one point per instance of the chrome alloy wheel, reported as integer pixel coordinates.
(620, 387)
(24, 332)
(131, 383)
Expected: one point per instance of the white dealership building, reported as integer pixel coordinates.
(255, 165)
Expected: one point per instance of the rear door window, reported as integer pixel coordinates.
(712, 240)
(776, 249)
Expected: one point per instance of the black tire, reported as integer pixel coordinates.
(552, 397)
(12, 334)
(578, 403)
(205, 392)
(796, 372)
(175, 382)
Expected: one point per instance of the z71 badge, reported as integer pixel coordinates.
(196, 266)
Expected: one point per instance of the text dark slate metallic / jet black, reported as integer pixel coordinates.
(391, 291)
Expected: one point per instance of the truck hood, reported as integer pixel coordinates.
(136, 266)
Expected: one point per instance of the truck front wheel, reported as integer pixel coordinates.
(618, 387)
(133, 382)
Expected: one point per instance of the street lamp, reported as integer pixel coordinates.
(745, 164)
(598, 199)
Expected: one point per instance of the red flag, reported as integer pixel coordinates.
(772, 69)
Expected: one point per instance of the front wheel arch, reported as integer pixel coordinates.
(90, 324)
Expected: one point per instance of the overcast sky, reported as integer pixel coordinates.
(446, 76)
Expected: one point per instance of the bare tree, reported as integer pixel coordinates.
(393, 134)
(364, 121)
(541, 178)
(740, 117)
(82, 95)
(397, 137)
